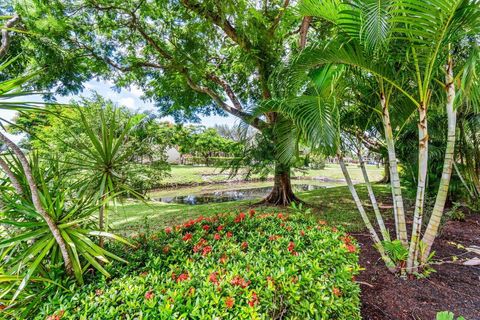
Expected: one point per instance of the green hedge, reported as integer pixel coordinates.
(245, 266)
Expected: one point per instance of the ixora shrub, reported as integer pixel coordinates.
(244, 266)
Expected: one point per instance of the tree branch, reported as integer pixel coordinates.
(304, 31)
(228, 90)
(5, 37)
(278, 17)
(221, 22)
(13, 179)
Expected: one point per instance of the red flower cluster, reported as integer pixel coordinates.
(168, 230)
(291, 248)
(217, 236)
(182, 277)
(206, 227)
(239, 281)
(254, 300)
(337, 292)
(166, 249)
(347, 241)
(274, 237)
(223, 259)
(213, 278)
(302, 233)
(241, 216)
(149, 295)
(57, 316)
(244, 245)
(206, 250)
(251, 213)
(187, 237)
(220, 228)
(229, 302)
(229, 234)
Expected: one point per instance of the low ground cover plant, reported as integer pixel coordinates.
(241, 266)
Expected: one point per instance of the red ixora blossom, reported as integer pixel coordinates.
(291, 246)
(280, 215)
(149, 295)
(241, 216)
(57, 316)
(217, 236)
(251, 213)
(166, 249)
(254, 300)
(213, 278)
(206, 227)
(223, 259)
(351, 248)
(337, 292)
(229, 302)
(239, 281)
(206, 250)
(244, 245)
(182, 277)
(302, 233)
(168, 230)
(220, 228)
(229, 234)
(187, 237)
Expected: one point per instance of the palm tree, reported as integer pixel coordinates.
(404, 49)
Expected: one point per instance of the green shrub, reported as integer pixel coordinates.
(248, 266)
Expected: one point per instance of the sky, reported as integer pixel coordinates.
(128, 98)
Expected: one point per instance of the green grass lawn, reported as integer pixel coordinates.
(183, 175)
(334, 205)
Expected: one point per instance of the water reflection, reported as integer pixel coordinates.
(230, 195)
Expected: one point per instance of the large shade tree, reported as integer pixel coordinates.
(189, 57)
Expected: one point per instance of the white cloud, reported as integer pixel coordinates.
(128, 102)
(136, 91)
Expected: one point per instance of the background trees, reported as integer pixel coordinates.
(189, 57)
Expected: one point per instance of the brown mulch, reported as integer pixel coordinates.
(453, 287)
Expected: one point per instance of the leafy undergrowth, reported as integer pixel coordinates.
(245, 266)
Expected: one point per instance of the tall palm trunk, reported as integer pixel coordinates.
(432, 228)
(37, 203)
(421, 183)
(373, 200)
(398, 209)
(373, 234)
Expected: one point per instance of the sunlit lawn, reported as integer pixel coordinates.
(334, 205)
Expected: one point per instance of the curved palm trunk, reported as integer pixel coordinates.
(373, 200)
(13, 179)
(373, 234)
(398, 209)
(412, 260)
(433, 224)
(282, 193)
(37, 203)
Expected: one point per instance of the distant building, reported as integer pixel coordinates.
(173, 156)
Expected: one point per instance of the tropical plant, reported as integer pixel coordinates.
(407, 58)
(251, 265)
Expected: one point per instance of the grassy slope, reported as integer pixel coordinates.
(334, 205)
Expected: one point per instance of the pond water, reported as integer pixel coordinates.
(228, 195)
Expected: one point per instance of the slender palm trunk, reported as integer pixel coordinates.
(376, 240)
(412, 260)
(398, 209)
(37, 203)
(373, 200)
(433, 224)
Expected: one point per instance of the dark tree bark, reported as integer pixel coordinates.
(282, 192)
(386, 172)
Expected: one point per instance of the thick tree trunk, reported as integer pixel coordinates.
(412, 260)
(373, 234)
(37, 202)
(434, 223)
(398, 209)
(386, 171)
(282, 193)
